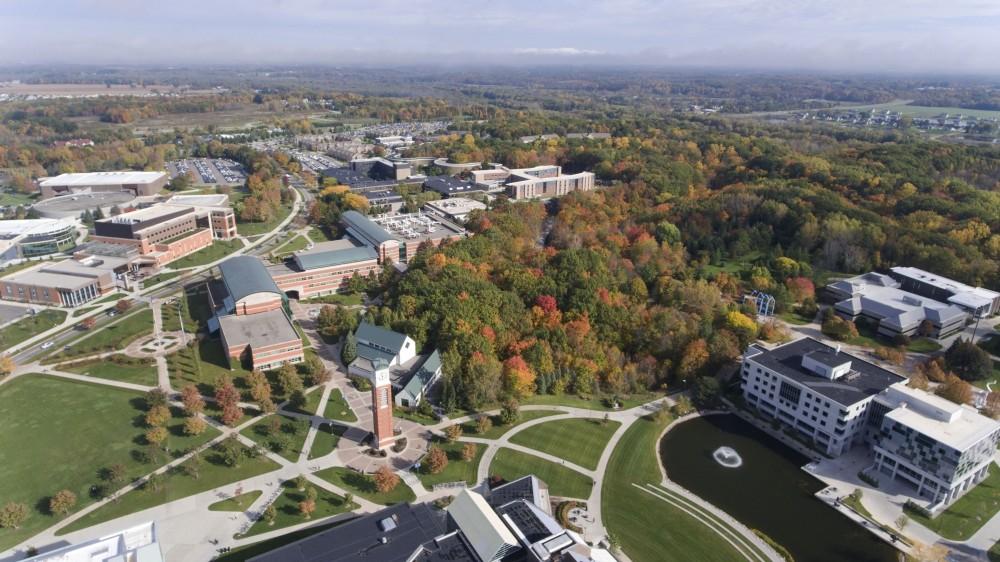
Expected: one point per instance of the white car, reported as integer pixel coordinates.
(314, 313)
(48, 344)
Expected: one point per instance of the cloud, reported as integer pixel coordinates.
(558, 51)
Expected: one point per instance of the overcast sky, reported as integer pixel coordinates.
(958, 36)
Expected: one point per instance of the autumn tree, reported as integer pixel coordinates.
(307, 507)
(193, 402)
(436, 459)
(468, 452)
(956, 390)
(694, 358)
(194, 426)
(157, 416)
(289, 380)
(270, 514)
(123, 305)
(385, 480)
(156, 435)
(7, 365)
(518, 377)
(62, 502)
(156, 396)
(12, 514)
(483, 424)
(453, 432)
(88, 323)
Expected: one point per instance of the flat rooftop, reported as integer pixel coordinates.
(863, 381)
(102, 178)
(147, 214)
(881, 295)
(257, 330)
(45, 278)
(957, 426)
(455, 206)
(417, 227)
(15, 228)
(217, 200)
(84, 201)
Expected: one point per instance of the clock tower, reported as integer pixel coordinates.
(382, 408)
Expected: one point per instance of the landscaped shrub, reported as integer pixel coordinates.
(864, 477)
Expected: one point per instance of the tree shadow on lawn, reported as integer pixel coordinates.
(361, 482)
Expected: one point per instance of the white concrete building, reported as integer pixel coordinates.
(881, 299)
(819, 391)
(137, 544)
(977, 301)
(940, 448)
(455, 209)
(838, 401)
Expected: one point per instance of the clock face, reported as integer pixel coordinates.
(381, 378)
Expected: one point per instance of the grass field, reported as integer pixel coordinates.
(236, 503)
(81, 311)
(114, 336)
(327, 437)
(294, 245)
(580, 441)
(511, 465)
(12, 198)
(213, 474)
(362, 486)
(636, 519)
(923, 345)
(498, 429)
(457, 468)
(338, 409)
(160, 278)
(72, 430)
(202, 366)
(218, 250)
(287, 507)
(929, 111)
(593, 403)
(30, 326)
(144, 373)
(255, 228)
(317, 234)
(969, 513)
(287, 442)
(413, 415)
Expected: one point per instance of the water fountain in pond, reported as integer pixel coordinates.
(727, 457)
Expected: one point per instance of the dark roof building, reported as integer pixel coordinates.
(449, 185)
(245, 276)
(390, 535)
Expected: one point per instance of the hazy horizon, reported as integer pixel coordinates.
(894, 36)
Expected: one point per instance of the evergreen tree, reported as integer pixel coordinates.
(350, 350)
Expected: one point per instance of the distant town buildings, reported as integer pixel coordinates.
(138, 183)
(976, 301)
(511, 522)
(249, 314)
(838, 401)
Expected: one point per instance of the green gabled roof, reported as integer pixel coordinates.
(423, 375)
(316, 260)
(380, 336)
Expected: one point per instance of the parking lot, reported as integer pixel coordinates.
(10, 313)
(208, 171)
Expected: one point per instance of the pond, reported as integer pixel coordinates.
(769, 491)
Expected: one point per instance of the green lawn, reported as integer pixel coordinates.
(59, 434)
(202, 365)
(593, 403)
(287, 506)
(218, 250)
(81, 311)
(10, 197)
(969, 513)
(498, 429)
(114, 336)
(993, 378)
(327, 437)
(160, 278)
(287, 442)
(336, 407)
(457, 468)
(636, 518)
(213, 474)
(255, 228)
(113, 297)
(236, 503)
(362, 486)
(30, 326)
(318, 234)
(511, 465)
(344, 299)
(143, 373)
(294, 245)
(580, 441)
(793, 317)
(414, 416)
(923, 345)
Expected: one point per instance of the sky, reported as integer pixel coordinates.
(903, 36)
